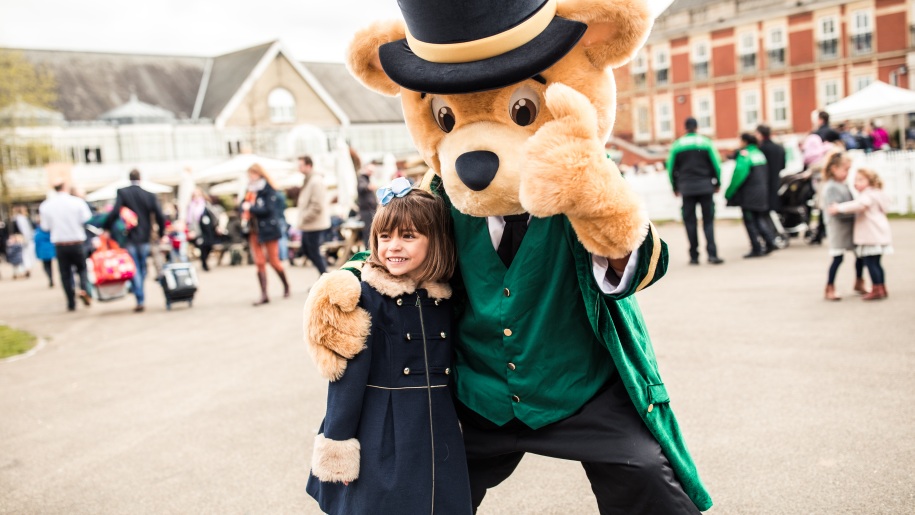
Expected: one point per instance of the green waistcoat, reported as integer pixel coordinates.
(514, 321)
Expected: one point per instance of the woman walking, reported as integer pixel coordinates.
(201, 220)
(262, 213)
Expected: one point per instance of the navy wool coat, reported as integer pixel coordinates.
(268, 213)
(398, 418)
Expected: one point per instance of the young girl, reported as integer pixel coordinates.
(872, 229)
(390, 441)
(839, 227)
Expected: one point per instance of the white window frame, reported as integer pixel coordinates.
(771, 44)
(639, 63)
(695, 58)
(824, 90)
(821, 34)
(637, 133)
(700, 116)
(857, 15)
(659, 64)
(279, 109)
(745, 108)
(742, 38)
(664, 116)
(856, 85)
(774, 106)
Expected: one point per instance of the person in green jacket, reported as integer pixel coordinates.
(749, 190)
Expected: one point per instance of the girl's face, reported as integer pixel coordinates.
(402, 252)
(840, 172)
(253, 176)
(861, 182)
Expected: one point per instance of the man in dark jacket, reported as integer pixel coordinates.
(775, 160)
(749, 190)
(695, 174)
(145, 205)
(824, 131)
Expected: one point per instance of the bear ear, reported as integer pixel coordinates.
(362, 55)
(616, 28)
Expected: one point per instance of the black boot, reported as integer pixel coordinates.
(262, 279)
(282, 274)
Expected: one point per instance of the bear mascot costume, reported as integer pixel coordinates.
(510, 103)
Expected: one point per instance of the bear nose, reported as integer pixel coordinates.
(477, 169)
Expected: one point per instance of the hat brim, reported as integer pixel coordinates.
(414, 73)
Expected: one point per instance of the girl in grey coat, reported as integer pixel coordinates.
(839, 227)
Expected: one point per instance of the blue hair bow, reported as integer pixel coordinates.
(399, 188)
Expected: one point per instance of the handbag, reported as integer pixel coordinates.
(111, 263)
(129, 217)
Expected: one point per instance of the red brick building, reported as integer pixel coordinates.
(733, 64)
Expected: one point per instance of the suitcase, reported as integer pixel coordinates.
(179, 282)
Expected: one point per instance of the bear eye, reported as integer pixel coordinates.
(524, 106)
(443, 115)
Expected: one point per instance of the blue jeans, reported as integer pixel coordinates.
(139, 254)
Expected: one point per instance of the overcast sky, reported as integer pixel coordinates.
(312, 30)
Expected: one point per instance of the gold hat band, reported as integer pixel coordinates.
(491, 46)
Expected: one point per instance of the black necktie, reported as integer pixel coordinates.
(515, 228)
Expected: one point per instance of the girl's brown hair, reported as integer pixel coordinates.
(872, 177)
(832, 161)
(260, 172)
(426, 214)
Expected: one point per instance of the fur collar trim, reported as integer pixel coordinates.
(393, 286)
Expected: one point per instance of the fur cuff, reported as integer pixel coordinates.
(335, 327)
(335, 461)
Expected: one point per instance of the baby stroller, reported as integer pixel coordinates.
(796, 196)
(110, 269)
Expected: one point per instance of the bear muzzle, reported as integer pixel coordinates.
(477, 168)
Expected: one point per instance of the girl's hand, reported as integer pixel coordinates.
(833, 209)
(246, 206)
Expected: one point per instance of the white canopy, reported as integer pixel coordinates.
(877, 99)
(110, 191)
(236, 167)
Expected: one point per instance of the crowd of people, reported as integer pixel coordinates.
(849, 223)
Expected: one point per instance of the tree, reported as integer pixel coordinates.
(26, 94)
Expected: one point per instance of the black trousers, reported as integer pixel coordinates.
(71, 258)
(759, 230)
(48, 265)
(311, 248)
(707, 205)
(204, 256)
(628, 472)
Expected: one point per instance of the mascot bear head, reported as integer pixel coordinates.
(477, 81)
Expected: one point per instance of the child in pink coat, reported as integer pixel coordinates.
(872, 235)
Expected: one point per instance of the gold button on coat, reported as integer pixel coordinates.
(516, 398)
(507, 292)
(443, 335)
(511, 366)
(406, 371)
(507, 332)
(447, 371)
(437, 302)
(409, 337)
(400, 302)
(650, 408)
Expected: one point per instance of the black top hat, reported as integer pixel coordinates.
(476, 45)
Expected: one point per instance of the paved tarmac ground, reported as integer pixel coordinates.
(790, 404)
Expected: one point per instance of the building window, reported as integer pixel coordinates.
(747, 52)
(639, 69)
(775, 48)
(92, 155)
(862, 37)
(642, 123)
(750, 109)
(700, 59)
(282, 106)
(831, 91)
(778, 106)
(664, 119)
(702, 110)
(828, 38)
(861, 82)
(661, 67)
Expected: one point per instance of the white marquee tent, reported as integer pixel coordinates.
(876, 100)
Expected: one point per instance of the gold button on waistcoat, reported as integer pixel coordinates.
(507, 292)
(650, 408)
(511, 366)
(516, 398)
(507, 332)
